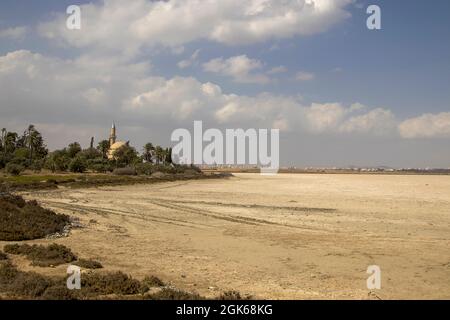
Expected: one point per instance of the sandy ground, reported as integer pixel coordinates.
(282, 237)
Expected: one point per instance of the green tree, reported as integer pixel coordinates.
(125, 156)
(2, 140)
(168, 158)
(90, 154)
(149, 151)
(73, 149)
(103, 147)
(58, 161)
(159, 154)
(78, 164)
(32, 139)
(10, 142)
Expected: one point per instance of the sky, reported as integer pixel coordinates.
(340, 94)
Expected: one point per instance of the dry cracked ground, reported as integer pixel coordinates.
(279, 237)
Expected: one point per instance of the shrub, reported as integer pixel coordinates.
(37, 165)
(152, 281)
(14, 169)
(42, 256)
(59, 291)
(125, 171)
(58, 161)
(174, 294)
(3, 256)
(232, 295)
(99, 165)
(22, 284)
(21, 220)
(78, 164)
(88, 264)
(110, 283)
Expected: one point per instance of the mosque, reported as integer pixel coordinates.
(113, 144)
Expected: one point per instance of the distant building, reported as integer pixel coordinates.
(113, 144)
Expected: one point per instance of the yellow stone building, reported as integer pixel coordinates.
(114, 145)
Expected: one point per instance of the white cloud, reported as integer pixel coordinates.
(95, 92)
(426, 126)
(129, 26)
(324, 117)
(378, 121)
(240, 68)
(277, 70)
(15, 33)
(304, 76)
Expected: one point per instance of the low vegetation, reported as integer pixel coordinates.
(88, 264)
(19, 284)
(30, 285)
(174, 294)
(152, 282)
(232, 295)
(42, 256)
(22, 220)
(3, 256)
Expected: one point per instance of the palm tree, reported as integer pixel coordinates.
(168, 157)
(149, 151)
(32, 140)
(159, 153)
(3, 140)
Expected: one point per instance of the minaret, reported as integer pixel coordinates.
(112, 135)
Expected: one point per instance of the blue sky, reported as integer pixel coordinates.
(396, 79)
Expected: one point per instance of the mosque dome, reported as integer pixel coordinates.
(116, 146)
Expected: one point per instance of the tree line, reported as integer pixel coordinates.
(29, 151)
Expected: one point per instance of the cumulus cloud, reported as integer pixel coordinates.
(378, 121)
(240, 68)
(426, 126)
(277, 70)
(114, 24)
(304, 76)
(53, 91)
(14, 33)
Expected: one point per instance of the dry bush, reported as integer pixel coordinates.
(174, 294)
(43, 256)
(109, 283)
(30, 285)
(87, 264)
(21, 220)
(152, 282)
(3, 256)
(232, 295)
